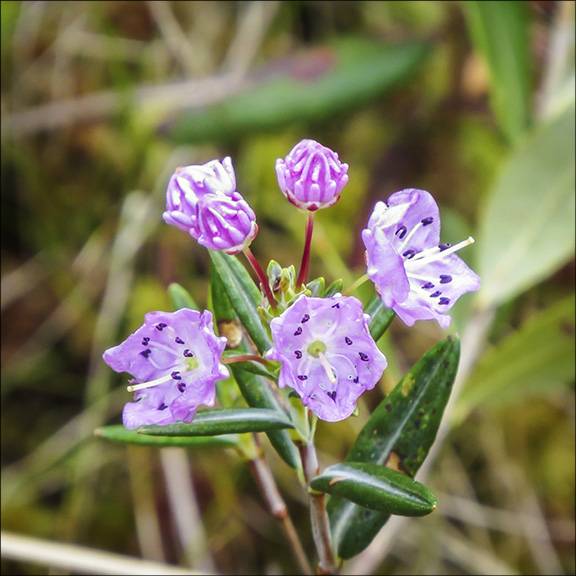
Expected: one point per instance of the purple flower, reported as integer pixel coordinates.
(175, 360)
(189, 184)
(203, 201)
(311, 176)
(327, 354)
(414, 274)
(225, 223)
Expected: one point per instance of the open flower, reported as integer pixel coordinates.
(311, 176)
(175, 360)
(203, 201)
(328, 355)
(416, 276)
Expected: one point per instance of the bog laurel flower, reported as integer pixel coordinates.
(416, 276)
(327, 354)
(203, 201)
(311, 176)
(175, 360)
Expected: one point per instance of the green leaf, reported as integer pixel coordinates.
(536, 359)
(335, 287)
(216, 421)
(399, 434)
(527, 227)
(258, 391)
(118, 433)
(181, 298)
(313, 85)
(244, 296)
(380, 317)
(376, 487)
(500, 32)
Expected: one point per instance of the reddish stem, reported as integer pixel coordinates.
(244, 358)
(304, 267)
(261, 276)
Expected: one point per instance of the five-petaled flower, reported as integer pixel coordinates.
(416, 276)
(175, 360)
(328, 355)
(203, 201)
(311, 176)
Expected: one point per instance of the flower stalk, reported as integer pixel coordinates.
(305, 265)
(261, 276)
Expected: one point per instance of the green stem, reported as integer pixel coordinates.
(355, 285)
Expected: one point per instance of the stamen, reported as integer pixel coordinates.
(419, 260)
(327, 367)
(410, 234)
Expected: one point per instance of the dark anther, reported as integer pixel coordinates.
(302, 377)
(444, 246)
(427, 286)
(187, 353)
(176, 375)
(363, 357)
(332, 395)
(305, 318)
(298, 331)
(337, 305)
(355, 380)
(401, 232)
(427, 221)
(347, 340)
(435, 294)
(160, 326)
(146, 352)
(445, 278)
(181, 386)
(145, 341)
(409, 254)
(162, 406)
(444, 301)
(298, 354)
(179, 340)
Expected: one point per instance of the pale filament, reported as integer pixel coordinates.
(407, 239)
(151, 384)
(327, 367)
(419, 260)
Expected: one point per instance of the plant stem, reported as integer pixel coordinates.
(305, 265)
(277, 507)
(244, 358)
(355, 285)
(261, 276)
(319, 519)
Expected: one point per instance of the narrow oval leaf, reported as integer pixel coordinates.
(215, 421)
(257, 390)
(118, 433)
(500, 31)
(181, 298)
(399, 434)
(310, 86)
(376, 487)
(527, 227)
(380, 316)
(244, 296)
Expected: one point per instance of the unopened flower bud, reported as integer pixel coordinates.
(311, 176)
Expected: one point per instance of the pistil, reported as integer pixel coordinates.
(326, 365)
(436, 253)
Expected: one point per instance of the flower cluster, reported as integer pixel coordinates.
(323, 344)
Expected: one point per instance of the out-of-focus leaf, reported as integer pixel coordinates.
(527, 228)
(399, 434)
(257, 390)
(120, 434)
(216, 421)
(500, 31)
(311, 86)
(244, 296)
(380, 316)
(376, 487)
(335, 287)
(181, 298)
(536, 359)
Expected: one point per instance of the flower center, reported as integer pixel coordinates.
(317, 350)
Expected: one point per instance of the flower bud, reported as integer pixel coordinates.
(225, 223)
(311, 176)
(191, 183)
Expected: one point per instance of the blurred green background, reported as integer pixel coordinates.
(101, 101)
